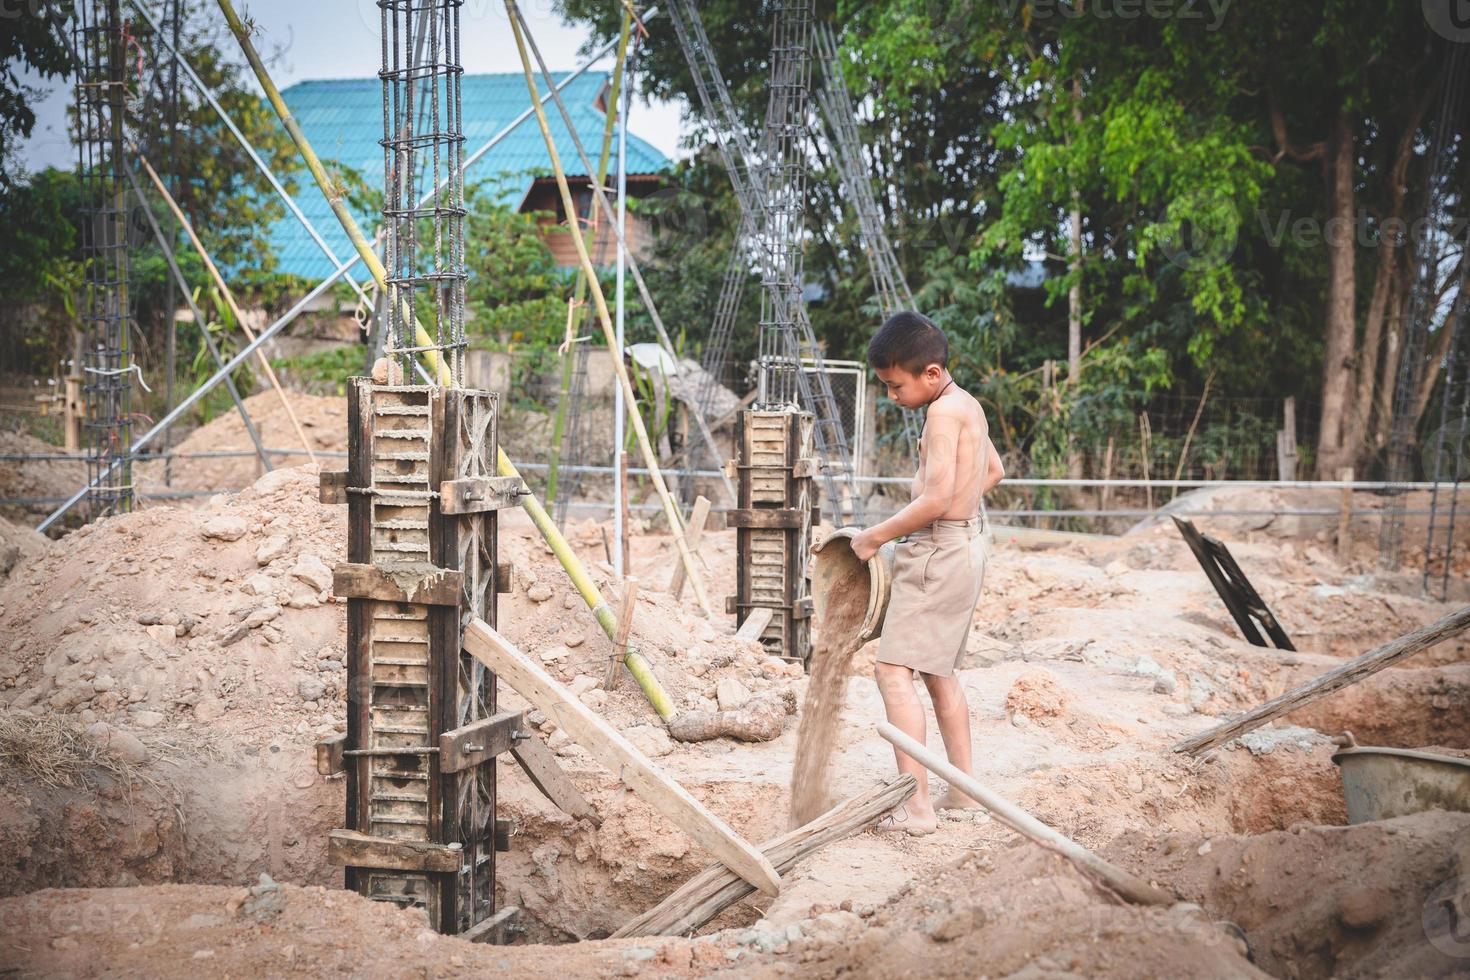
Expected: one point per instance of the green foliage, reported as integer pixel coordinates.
(323, 373)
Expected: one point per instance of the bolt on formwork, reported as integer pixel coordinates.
(105, 310)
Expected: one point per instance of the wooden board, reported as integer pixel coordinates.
(349, 849)
(698, 518)
(773, 518)
(332, 486)
(541, 768)
(479, 741)
(329, 755)
(355, 581)
(608, 746)
(755, 624)
(479, 494)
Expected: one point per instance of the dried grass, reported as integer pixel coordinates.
(55, 752)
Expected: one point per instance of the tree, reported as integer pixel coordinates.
(31, 40)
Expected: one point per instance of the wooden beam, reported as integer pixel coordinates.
(479, 741)
(1334, 680)
(608, 746)
(432, 587)
(716, 888)
(478, 494)
(332, 486)
(491, 930)
(765, 518)
(349, 849)
(1125, 883)
(546, 775)
(329, 755)
(698, 518)
(755, 624)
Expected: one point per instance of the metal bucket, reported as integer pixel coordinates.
(834, 566)
(1379, 783)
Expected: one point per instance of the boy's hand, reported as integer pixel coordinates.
(865, 544)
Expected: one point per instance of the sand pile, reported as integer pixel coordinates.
(36, 478)
(322, 418)
(19, 545)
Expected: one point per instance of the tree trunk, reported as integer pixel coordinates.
(1340, 326)
(1392, 355)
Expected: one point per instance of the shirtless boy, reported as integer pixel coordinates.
(941, 560)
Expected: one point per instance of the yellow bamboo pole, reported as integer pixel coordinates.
(650, 459)
(219, 281)
(637, 664)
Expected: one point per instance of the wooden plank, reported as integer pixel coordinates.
(1334, 680)
(755, 624)
(546, 775)
(806, 467)
(329, 760)
(504, 582)
(764, 518)
(492, 930)
(349, 849)
(1125, 883)
(479, 741)
(1345, 516)
(332, 486)
(608, 746)
(716, 888)
(698, 518)
(439, 587)
(479, 494)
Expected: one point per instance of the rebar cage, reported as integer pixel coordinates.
(105, 307)
(423, 201)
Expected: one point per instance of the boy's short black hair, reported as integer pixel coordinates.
(908, 340)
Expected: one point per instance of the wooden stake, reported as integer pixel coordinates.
(716, 888)
(697, 520)
(608, 746)
(541, 768)
(627, 515)
(1126, 884)
(1334, 680)
(625, 627)
(1345, 516)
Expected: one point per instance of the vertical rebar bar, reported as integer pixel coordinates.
(423, 149)
(105, 309)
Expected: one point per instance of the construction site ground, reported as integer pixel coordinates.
(165, 675)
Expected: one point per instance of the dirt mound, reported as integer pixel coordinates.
(19, 544)
(1036, 695)
(322, 418)
(36, 478)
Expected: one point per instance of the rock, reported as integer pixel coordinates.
(117, 743)
(1362, 909)
(72, 696)
(581, 684)
(208, 709)
(224, 527)
(557, 740)
(1165, 684)
(731, 694)
(553, 654)
(539, 592)
(164, 636)
(274, 547)
(261, 616)
(1135, 783)
(260, 584)
(103, 683)
(651, 740)
(310, 689)
(1115, 568)
(299, 595)
(313, 571)
(595, 698)
(573, 639)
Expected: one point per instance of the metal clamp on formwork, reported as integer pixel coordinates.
(478, 494)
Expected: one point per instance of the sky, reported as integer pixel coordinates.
(342, 39)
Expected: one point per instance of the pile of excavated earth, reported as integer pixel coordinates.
(165, 675)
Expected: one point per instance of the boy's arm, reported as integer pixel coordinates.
(941, 452)
(995, 469)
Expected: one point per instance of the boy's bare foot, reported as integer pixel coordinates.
(907, 821)
(953, 800)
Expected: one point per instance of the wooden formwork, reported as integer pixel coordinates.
(777, 509)
(422, 726)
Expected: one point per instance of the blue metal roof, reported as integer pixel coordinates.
(343, 120)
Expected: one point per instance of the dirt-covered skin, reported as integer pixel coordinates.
(1086, 663)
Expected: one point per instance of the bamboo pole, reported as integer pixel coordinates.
(637, 665)
(219, 280)
(579, 292)
(650, 459)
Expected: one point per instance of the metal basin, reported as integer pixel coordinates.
(835, 567)
(1379, 783)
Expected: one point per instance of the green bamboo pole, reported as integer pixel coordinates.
(580, 292)
(650, 459)
(638, 665)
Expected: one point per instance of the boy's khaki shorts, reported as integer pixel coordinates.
(937, 575)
